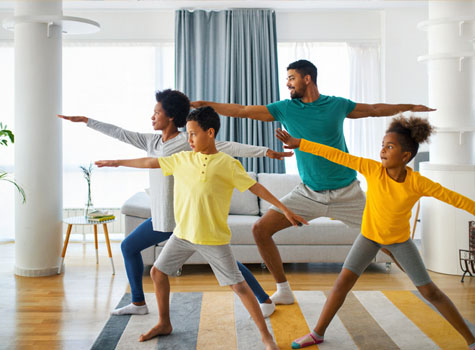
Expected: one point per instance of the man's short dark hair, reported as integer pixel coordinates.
(206, 117)
(175, 104)
(304, 67)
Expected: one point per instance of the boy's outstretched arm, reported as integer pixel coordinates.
(148, 162)
(263, 193)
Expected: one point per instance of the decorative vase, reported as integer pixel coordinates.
(89, 207)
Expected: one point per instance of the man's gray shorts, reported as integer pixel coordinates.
(345, 204)
(219, 257)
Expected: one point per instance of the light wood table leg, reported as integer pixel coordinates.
(65, 246)
(95, 241)
(106, 234)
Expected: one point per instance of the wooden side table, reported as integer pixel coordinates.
(81, 220)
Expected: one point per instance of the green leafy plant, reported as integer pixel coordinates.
(6, 136)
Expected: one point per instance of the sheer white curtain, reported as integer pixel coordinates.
(363, 136)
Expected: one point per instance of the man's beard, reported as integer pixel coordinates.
(294, 94)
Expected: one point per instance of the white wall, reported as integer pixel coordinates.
(405, 78)
(326, 25)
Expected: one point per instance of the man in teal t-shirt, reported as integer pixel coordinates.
(315, 120)
(327, 189)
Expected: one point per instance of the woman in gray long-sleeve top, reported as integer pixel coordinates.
(170, 114)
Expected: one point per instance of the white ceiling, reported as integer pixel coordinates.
(219, 4)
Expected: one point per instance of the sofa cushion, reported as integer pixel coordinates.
(321, 231)
(137, 205)
(241, 228)
(244, 203)
(277, 184)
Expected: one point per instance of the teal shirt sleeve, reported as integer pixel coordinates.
(277, 109)
(349, 105)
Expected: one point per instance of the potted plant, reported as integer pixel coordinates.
(7, 136)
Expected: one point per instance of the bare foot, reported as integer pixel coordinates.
(270, 344)
(159, 329)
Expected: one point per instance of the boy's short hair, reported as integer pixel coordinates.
(206, 117)
(304, 67)
(175, 104)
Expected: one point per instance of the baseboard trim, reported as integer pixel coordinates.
(50, 271)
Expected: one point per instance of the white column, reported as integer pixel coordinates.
(38, 146)
(452, 156)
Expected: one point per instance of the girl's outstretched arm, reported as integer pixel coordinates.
(148, 162)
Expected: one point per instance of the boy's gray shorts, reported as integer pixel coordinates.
(345, 204)
(364, 250)
(219, 257)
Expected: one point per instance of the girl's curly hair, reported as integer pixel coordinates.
(411, 132)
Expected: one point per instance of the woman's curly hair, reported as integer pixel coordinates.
(411, 132)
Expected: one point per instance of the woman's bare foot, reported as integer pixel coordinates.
(159, 329)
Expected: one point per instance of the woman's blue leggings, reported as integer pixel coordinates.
(143, 237)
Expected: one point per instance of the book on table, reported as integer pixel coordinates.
(101, 218)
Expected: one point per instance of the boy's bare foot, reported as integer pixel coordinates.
(159, 329)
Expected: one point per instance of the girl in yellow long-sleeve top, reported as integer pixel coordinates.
(393, 189)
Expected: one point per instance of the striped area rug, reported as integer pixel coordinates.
(217, 320)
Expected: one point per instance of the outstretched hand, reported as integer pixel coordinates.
(289, 141)
(294, 219)
(196, 104)
(108, 163)
(278, 155)
(74, 119)
(422, 108)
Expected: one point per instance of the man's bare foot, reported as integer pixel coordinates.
(270, 344)
(159, 329)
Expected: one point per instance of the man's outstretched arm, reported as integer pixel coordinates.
(363, 110)
(238, 111)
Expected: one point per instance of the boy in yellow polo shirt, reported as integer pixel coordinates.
(204, 182)
(393, 189)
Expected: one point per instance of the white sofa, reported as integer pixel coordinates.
(324, 240)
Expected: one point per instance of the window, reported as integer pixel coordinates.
(113, 84)
(7, 191)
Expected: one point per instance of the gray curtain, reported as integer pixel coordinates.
(230, 56)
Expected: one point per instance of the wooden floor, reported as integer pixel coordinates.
(68, 311)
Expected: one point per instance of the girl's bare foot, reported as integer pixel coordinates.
(270, 344)
(159, 329)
